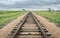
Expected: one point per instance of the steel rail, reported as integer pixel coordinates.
(23, 21)
(17, 30)
(39, 25)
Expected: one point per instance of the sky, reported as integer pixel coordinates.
(29, 4)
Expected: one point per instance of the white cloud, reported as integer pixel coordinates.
(11, 1)
(7, 2)
(58, 5)
(21, 0)
(49, 0)
(46, 0)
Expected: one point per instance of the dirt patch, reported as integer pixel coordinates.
(8, 28)
(51, 27)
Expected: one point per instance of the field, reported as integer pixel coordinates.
(52, 16)
(7, 16)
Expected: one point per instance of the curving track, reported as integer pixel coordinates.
(29, 28)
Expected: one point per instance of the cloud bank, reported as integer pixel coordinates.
(30, 4)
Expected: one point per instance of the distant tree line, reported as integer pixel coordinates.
(23, 9)
(50, 10)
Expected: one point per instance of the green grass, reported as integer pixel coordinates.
(6, 16)
(53, 16)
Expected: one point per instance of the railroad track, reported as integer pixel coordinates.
(29, 28)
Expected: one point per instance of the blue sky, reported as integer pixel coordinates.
(29, 4)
